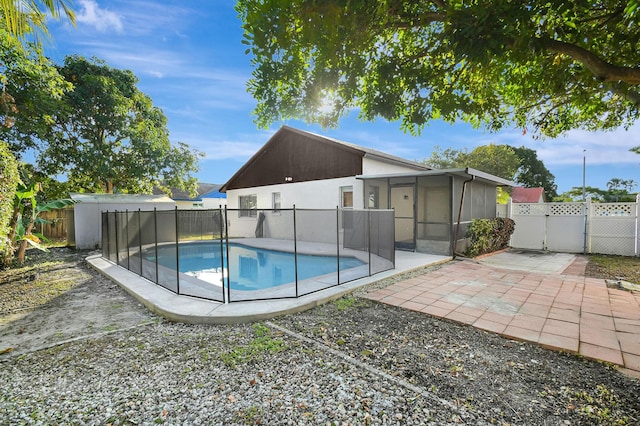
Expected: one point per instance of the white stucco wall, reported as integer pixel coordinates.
(318, 194)
(375, 167)
(88, 219)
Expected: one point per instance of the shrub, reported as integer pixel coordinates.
(8, 181)
(489, 235)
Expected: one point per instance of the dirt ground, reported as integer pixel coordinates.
(57, 297)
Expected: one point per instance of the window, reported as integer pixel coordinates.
(248, 205)
(346, 197)
(276, 201)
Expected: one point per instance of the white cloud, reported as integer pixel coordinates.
(102, 19)
(230, 150)
(601, 147)
(239, 147)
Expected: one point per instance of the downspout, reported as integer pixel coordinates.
(464, 186)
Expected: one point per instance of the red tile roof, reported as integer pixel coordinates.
(527, 195)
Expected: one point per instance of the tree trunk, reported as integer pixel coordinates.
(23, 244)
(13, 225)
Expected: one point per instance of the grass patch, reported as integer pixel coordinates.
(614, 267)
(264, 342)
(347, 302)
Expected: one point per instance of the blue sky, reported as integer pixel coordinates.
(189, 59)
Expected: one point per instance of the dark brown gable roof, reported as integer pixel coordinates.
(293, 155)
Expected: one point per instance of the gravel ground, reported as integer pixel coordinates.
(352, 361)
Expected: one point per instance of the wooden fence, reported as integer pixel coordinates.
(57, 228)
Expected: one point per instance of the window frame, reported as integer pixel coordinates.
(248, 212)
(343, 191)
(276, 207)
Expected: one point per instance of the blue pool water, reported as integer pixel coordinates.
(249, 268)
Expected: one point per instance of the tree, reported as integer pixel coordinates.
(18, 18)
(575, 195)
(448, 158)
(620, 190)
(498, 160)
(520, 165)
(532, 173)
(31, 91)
(543, 66)
(106, 135)
(22, 17)
(26, 211)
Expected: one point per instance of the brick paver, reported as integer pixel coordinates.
(563, 311)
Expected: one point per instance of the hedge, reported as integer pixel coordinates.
(489, 235)
(8, 183)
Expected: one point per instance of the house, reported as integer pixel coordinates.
(213, 199)
(310, 171)
(521, 194)
(208, 196)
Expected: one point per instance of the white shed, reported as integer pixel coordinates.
(86, 230)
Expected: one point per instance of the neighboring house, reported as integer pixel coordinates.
(527, 195)
(316, 172)
(208, 196)
(214, 199)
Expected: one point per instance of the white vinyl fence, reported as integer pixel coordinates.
(605, 228)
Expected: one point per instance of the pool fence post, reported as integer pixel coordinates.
(393, 237)
(226, 238)
(221, 250)
(126, 232)
(175, 212)
(155, 238)
(338, 241)
(295, 248)
(106, 214)
(115, 219)
(369, 237)
(140, 240)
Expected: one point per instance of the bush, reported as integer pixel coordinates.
(8, 181)
(489, 235)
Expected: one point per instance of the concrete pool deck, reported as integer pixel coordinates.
(193, 310)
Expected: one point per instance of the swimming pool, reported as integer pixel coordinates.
(248, 268)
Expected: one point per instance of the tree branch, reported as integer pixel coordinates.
(601, 69)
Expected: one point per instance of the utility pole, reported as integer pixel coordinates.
(584, 174)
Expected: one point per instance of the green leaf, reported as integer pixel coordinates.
(547, 67)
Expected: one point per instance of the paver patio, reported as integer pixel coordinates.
(559, 310)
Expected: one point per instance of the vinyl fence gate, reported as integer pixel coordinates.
(604, 228)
